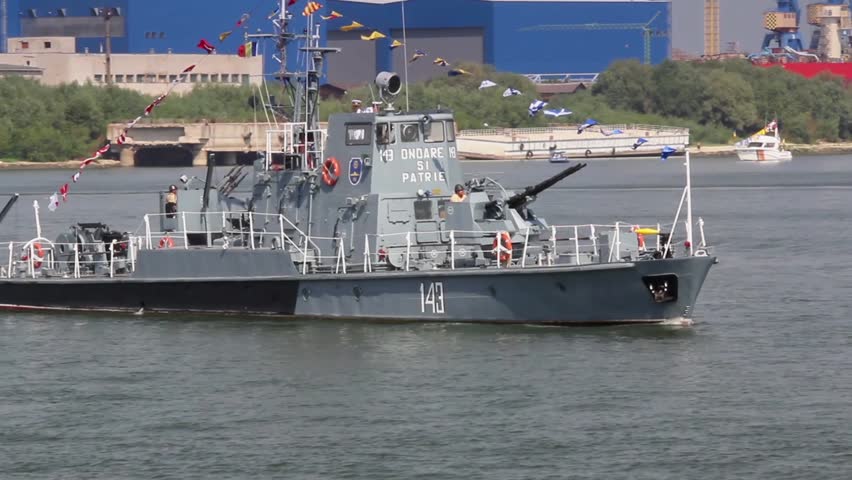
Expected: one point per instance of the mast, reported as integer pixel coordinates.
(302, 86)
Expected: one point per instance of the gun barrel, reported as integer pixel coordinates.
(519, 199)
(8, 207)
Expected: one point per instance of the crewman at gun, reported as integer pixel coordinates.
(171, 202)
(460, 195)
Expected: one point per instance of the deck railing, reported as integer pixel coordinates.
(580, 244)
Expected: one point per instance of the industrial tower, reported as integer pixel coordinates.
(711, 28)
(831, 39)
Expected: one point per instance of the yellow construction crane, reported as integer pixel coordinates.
(711, 28)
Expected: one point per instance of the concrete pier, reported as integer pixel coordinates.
(182, 144)
(594, 142)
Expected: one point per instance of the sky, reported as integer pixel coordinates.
(741, 21)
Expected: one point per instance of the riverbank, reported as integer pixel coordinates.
(814, 149)
(70, 164)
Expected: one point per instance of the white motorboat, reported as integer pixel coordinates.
(762, 147)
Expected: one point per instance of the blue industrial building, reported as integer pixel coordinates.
(509, 34)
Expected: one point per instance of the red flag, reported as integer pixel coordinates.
(87, 162)
(102, 150)
(63, 190)
(206, 46)
(75, 177)
(188, 69)
(291, 3)
(156, 102)
(243, 19)
(241, 51)
(121, 139)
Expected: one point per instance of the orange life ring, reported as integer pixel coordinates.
(330, 171)
(37, 257)
(504, 253)
(167, 242)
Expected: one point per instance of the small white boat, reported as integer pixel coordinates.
(558, 157)
(761, 147)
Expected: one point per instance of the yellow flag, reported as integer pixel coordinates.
(373, 36)
(224, 35)
(396, 43)
(352, 26)
(334, 15)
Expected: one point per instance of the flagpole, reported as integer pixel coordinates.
(405, 55)
(689, 204)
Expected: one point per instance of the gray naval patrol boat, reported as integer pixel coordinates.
(358, 221)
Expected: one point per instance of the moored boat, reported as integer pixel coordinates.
(761, 147)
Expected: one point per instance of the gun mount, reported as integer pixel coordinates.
(528, 195)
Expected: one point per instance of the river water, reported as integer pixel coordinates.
(759, 387)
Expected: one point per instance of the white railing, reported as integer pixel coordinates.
(562, 77)
(649, 129)
(579, 244)
(40, 257)
(313, 151)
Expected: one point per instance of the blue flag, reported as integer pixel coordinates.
(639, 143)
(590, 122)
(536, 106)
(667, 152)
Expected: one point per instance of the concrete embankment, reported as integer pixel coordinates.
(70, 164)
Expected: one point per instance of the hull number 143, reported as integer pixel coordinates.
(432, 297)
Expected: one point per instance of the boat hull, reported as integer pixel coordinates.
(754, 155)
(569, 295)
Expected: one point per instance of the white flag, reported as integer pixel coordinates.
(54, 202)
(557, 113)
(510, 92)
(487, 84)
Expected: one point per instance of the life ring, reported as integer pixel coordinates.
(330, 171)
(529, 154)
(503, 248)
(167, 242)
(588, 153)
(38, 255)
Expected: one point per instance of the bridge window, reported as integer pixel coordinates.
(385, 133)
(423, 210)
(358, 134)
(451, 131)
(435, 132)
(410, 132)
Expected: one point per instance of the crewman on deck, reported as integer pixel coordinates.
(460, 195)
(171, 202)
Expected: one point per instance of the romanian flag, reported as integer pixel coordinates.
(311, 8)
(395, 44)
(334, 15)
(248, 50)
(441, 62)
(373, 36)
(352, 26)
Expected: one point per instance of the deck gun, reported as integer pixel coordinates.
(528, 195)
(8, 206)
